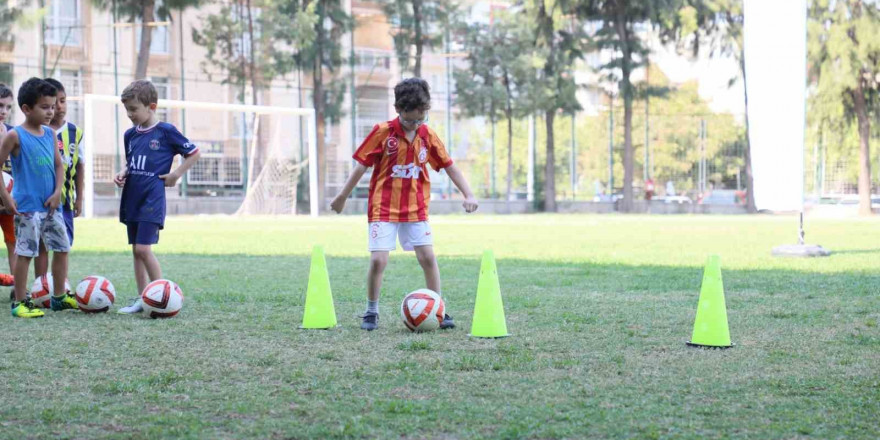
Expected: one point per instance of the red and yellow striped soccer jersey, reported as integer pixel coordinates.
(400, 188)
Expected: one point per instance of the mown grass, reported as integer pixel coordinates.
(598, 307)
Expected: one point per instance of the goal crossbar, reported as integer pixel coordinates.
(311, 130)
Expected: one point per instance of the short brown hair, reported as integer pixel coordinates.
(142, 90)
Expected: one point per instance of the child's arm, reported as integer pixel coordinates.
(172, 177)
(470, 202)
(119, 179)
(7, 146)
(339, 201)
(78, 182)
(54, 201)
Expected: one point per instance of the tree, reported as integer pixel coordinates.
(558, 44)
(490, 85)
(419, 23)
(254, 45)
(9, 15)
(844, 59)
(718, 26)
(617, 33)
(147, 11)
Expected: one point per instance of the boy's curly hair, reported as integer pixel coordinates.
(5, 91)
(32, 90)
(141, 90)
(412, 94)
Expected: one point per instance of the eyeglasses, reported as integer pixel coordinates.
(414, 121)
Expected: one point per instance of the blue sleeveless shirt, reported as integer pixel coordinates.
(33, 170)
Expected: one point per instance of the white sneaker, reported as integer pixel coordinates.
(136, 307)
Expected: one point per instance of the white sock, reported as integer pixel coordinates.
(372, 306)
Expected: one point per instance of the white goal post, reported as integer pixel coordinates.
(89, 101)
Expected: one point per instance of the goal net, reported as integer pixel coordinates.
(254, 159)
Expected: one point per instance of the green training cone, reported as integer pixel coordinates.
(319, 311)
(710, 325)
(488, 309)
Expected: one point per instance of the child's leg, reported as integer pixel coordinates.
(378, 261)
(20, 272)
(10, 254)
(151, 268)
(140, 270)
(41, 263)
(59, 272)
(425, 255)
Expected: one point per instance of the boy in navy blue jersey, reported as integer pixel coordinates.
(150, 148)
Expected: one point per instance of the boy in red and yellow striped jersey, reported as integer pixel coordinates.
(400, 152)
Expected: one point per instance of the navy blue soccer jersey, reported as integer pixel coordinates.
(149, 153)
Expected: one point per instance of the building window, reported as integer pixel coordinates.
(163, 91)
(72, 82)
(6, 74)
(372, 61)
(63, 23)
(372, 108)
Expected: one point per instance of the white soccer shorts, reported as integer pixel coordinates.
(383, 236)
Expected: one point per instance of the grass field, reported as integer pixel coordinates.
(599, 308)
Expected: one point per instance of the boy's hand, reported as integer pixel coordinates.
(470, 204)
(77, 207)
(337, 204)
(53, 202)
(119, 179)
(170, 179)
(10, 207)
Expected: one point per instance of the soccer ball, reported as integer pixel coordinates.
(7, 180)
(162, 299)
(43, 289)
(95, 294)
(422, 310)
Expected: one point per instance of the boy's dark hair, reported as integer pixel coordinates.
(55, 83)
(32, 90)
(412, 94)
(5, 91)
(141, 90)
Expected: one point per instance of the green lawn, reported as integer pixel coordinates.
(599, 308)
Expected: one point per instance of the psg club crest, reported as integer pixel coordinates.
(154, 144)
(391, 145)
(423, 155)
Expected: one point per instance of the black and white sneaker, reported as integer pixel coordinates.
(447, 323)
(370, 321)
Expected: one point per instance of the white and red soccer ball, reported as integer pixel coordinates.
(95, 294)
(43, 289)
(422, 310)
(162, 299)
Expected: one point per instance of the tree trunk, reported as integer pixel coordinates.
(417, 24)
(626, 86)
(864, 150)
(508, 112)
(747, 153)
(319, 104)
(252, 62)
(550, 166)
(143, 59)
